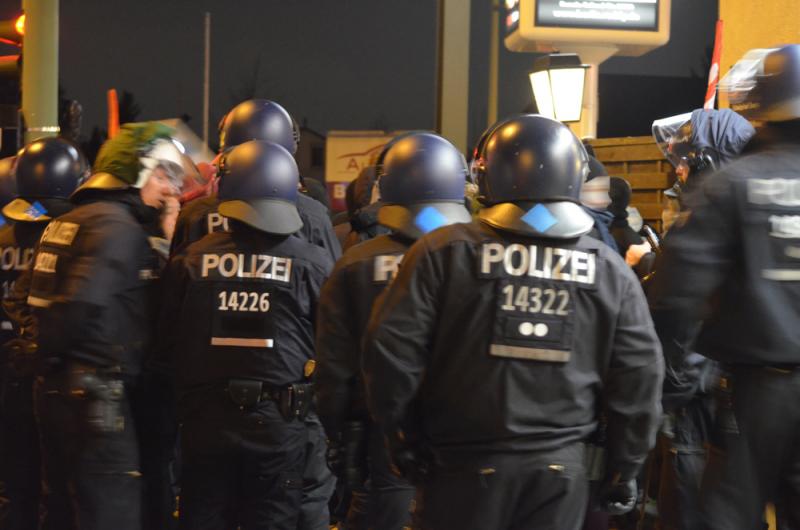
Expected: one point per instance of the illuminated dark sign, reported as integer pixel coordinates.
(596, 14)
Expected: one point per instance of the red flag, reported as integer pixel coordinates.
(113, 113)
(713, 74)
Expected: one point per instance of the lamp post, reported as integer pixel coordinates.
(40, 71)
(557, 81)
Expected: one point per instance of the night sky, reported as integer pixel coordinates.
(336, 64)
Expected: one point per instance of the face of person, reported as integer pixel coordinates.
(159, 189)
(682, 171)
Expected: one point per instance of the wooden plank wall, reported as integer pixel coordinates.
(639, 161)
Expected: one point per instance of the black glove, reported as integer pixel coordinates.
(334, 456)
(617, 497)
(21, 356)
(347, 454)
(411, 460)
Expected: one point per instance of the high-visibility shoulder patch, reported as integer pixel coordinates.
(60, 233)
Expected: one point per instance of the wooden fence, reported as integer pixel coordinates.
(640, 162)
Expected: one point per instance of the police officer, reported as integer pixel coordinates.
(738, 249)
(363, 209)
(242, 378)
(364, 221)
(47, 172)
(422, 188)
(490, 354)
(257, 119)
(265, 120)
(94, 291)
(8, 192)
(697, 144)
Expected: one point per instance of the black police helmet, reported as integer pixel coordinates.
(258, 119)
(49, 168)
(382, 154)
(8, 181)
(480, 148)
(422, 185)
(260, 187)
(766, 86)
(530, 178)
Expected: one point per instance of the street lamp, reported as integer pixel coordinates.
(557, 80)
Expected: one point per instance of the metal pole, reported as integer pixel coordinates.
(206, 76)
(40, 69)
(494, 65)
(454, 71)
(437, 105)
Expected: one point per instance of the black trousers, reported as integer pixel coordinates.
(93, 480)
(20, 461)
(318, 481)
(542, 491)
(385, 501)
(154, 413)
(761, 462)
(240, 468)
(682, 465)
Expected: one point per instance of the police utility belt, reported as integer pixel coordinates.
(293, 401)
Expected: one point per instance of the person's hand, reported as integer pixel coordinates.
(413, 461)
(21, 357)
(635, 252)
(169, 216)
(617, 497)
(334, 456)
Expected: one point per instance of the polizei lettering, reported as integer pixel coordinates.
(217, 223)
(549, 263)
(386, 268)
(259, 266)
(15, 258)
(780, 192)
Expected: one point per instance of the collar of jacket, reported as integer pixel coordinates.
(130, 198)
(366, 217)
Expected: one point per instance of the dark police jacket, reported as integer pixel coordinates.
(94, 282)
(200, 217)
(17, 243)
(740, 250)
(345, 305)
(242, 304)
(508, 343)
(364, 225)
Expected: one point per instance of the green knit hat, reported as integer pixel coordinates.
(123, 160)
(119, 155)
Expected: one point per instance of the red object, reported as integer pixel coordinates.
(713, 74)
(113, 113)
(208, 172)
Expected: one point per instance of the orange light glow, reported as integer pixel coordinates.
(19, 25)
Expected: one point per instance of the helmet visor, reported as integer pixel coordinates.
(673, 136)
(174, 173)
